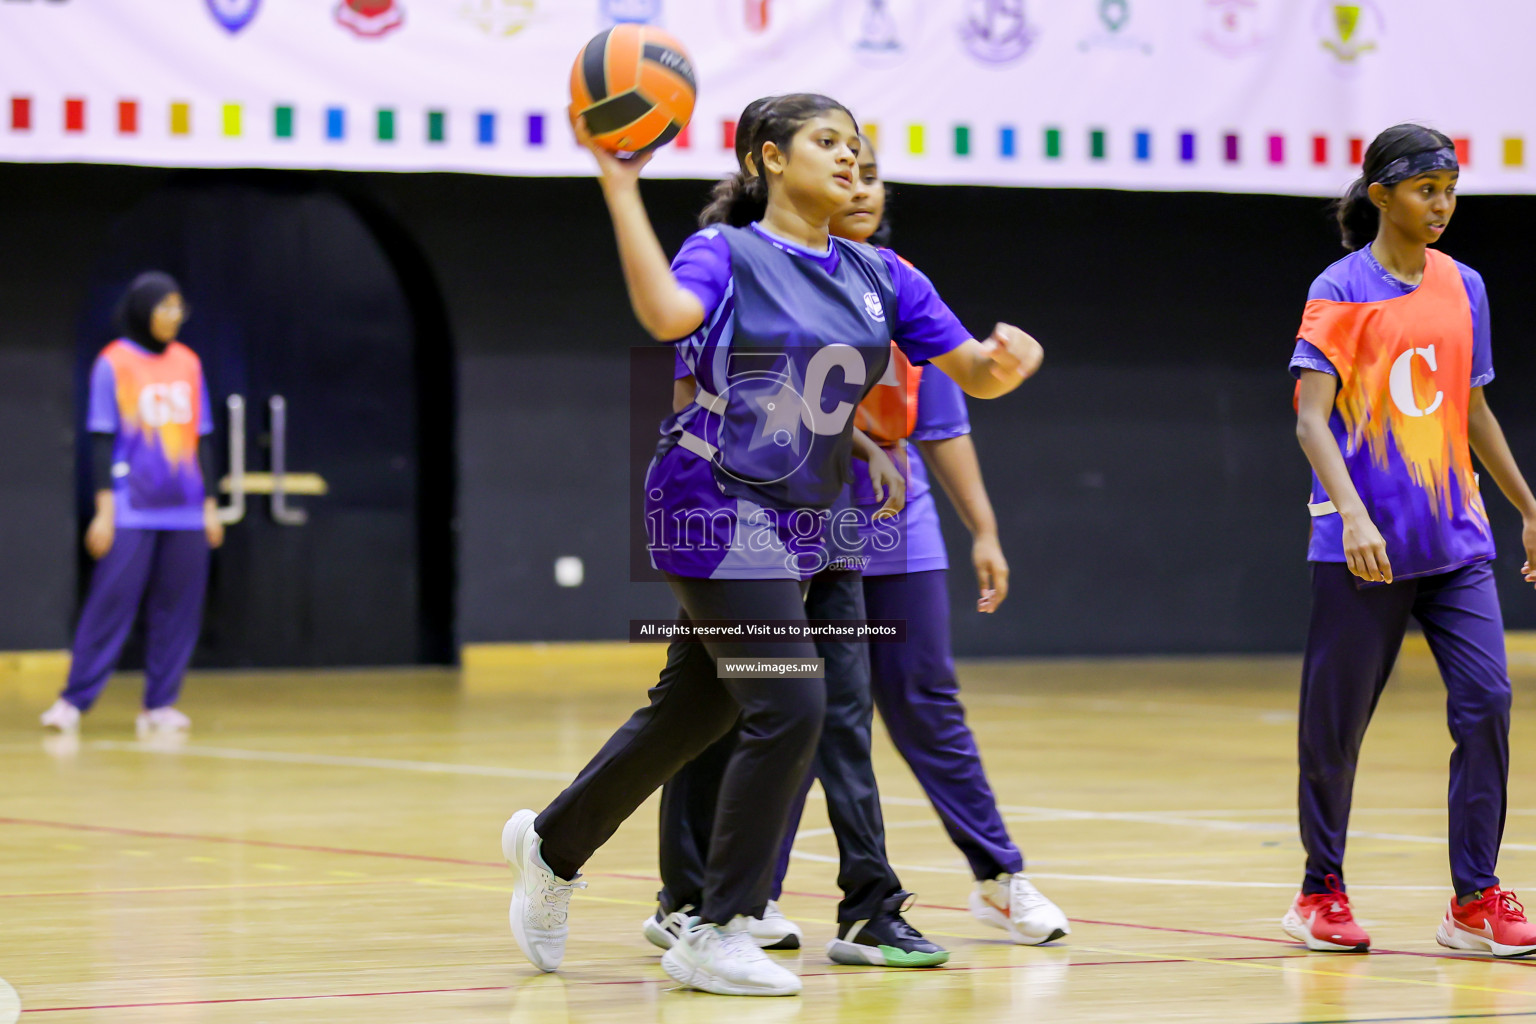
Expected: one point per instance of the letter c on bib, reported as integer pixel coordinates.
(852, 364)
(1400, 383)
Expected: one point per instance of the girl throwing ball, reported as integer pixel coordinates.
(786, 329)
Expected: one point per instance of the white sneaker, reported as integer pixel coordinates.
(541, 901)
(727, 961)
(161, 720)
(1011, 903)
(773, 930)
(63, 716)
(663, 929)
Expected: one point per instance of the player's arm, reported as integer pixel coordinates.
(1487, 440)
(953, 461)
(992, 368)
(1365, 552)
(864, 447)
(102, 445)
(102, 422)
(100, 531)
(885, 478)
(213, 526)
(666, 309)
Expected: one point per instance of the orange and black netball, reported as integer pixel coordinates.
(635, 86)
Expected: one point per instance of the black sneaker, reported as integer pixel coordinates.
(663, 929)
(885, 940)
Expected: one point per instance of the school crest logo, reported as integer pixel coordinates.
(880, 32)
(370, 19)
(873, 307)
(1232, 27)
(1114, 30)
(997, 31)
(499, 17)
(634, 12)
(234, 15)
(1349, 31)
(877, 31)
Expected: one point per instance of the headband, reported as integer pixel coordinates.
(1415, 164)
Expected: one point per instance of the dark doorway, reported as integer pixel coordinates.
(301, 294)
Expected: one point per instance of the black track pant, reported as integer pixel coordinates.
(842, 763)
(690, 708)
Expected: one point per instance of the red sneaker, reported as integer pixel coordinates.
(1325, 923)
(1495, 924)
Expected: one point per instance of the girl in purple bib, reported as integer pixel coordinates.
(786, 329)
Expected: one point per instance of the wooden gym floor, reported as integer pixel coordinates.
(325, 848)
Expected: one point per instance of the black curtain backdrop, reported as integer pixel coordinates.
(295, 292)
(1148, 483)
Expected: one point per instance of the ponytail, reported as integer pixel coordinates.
(738, 201)
(1391, 157)
(1356, 215)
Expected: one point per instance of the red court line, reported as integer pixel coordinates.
(964, 968)
(1213, 935)
(232, 840)
(268, 844)
(339, 883)
(1375, 951)
(1197, 931)
(265, 999)
(615, 981)
(1500, 1015)
(1084, 920)
(240, 887)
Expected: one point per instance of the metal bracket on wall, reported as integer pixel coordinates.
(234, 484)
(281, 513)
(279, 483)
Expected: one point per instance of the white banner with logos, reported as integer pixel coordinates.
(1228, 95)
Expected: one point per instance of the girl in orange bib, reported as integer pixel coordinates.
(1391, 360)
(155, 521)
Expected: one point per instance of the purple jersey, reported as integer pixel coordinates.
(703, 266)
(1410, 355)
(791, 342)
(156, 407)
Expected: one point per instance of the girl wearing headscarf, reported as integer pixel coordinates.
(154, 524)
